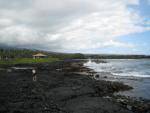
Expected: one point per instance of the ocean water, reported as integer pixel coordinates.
(134, 72)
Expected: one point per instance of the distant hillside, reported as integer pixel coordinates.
(27, 53)
(16, 53)
(110, 56)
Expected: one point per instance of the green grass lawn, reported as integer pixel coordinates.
(27, 60)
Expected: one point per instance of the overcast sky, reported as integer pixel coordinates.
(86, 26)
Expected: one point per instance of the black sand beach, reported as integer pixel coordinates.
(62, 87)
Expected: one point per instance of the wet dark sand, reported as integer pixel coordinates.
(62, 87)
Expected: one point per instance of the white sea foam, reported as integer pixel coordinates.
(130, 75)
(122, 68)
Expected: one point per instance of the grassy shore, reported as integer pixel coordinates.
(28, 60)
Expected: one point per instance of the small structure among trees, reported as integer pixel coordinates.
(39, 55)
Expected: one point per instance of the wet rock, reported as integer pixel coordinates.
(97, 76)
(25, 86)
(129, 107)
(92, 104)
(105, 77)
(133, 104)
(64, 91)
(3, 109)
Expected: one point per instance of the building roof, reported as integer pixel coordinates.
(39, 54)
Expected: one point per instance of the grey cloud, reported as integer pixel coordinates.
(66, 24)
(44, 15)
(15, 4)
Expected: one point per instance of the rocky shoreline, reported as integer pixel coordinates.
(62, 87)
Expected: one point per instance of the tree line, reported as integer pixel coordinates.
(27, 53)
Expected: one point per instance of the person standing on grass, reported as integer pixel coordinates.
(34, 78)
